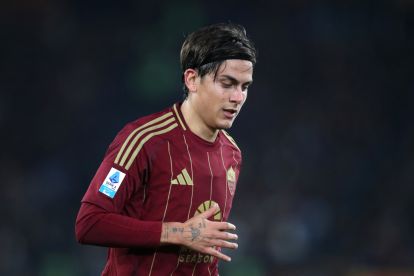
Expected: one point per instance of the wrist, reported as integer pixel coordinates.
(171, 233)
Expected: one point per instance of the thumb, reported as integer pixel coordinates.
(210, 212)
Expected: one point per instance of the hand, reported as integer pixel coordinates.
(201, 234)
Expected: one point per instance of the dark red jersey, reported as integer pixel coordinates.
(156, 170)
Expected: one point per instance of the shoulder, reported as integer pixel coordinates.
(146, 125)
(229, 140)
(138, 134)
(150, 122)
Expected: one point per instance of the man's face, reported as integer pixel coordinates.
(219, 101)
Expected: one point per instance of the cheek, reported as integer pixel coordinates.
(219, 97)
(244, 97)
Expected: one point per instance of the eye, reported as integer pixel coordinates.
(226, 84)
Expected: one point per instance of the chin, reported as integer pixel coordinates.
(225, 125)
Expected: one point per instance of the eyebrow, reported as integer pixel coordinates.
(235, 81)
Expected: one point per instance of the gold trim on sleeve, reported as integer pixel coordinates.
(156, 120)
(144, 140)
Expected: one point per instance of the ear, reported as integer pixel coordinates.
(190, 79)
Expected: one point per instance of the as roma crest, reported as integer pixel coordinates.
(231, 180)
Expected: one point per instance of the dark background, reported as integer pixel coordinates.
(327, 132)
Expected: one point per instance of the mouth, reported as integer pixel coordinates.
(230, 113)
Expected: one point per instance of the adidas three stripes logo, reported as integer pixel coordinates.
(183, 179)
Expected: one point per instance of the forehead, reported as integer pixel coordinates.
(236, 68)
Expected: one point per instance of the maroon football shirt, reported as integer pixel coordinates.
(156, 170)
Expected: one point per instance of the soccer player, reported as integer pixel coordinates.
(161, 197)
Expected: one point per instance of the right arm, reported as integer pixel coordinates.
(95, 225)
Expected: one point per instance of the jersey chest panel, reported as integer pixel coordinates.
(185, 180)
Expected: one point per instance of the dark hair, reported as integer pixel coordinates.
(207, 48)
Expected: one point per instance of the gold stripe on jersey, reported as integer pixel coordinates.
(166, 207)
(211, 175)
(227, 183)
(156, 120)
(140, 134)
(178, 116)
(230, 139)
(194, 268)
(144, 140)
(192, 176)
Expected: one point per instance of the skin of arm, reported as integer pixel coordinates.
(201, 234)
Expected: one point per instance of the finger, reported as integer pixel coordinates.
(224, 225)
(231, 226)
(224, 244)
(213, 252)
(225, 236)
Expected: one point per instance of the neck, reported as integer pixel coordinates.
(196, 124)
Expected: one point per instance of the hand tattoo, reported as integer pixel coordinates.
(195, 232)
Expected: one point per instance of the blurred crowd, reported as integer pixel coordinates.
(326, 133)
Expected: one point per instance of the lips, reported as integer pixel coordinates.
(230, 112)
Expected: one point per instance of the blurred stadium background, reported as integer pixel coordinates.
(327, 131)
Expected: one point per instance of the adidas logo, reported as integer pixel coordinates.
(183, 178)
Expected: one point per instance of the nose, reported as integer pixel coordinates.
(237, 95)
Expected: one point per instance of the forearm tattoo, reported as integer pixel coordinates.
(174, 230)
(177, 230)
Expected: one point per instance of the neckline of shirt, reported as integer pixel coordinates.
(184, 127)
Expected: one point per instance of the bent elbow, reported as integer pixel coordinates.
(84, 222)
(88, 217)
(80, 232)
